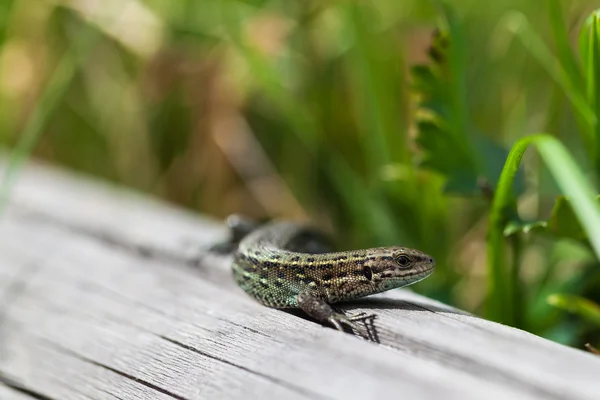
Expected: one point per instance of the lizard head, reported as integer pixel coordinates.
(387, 268)
(379, 269)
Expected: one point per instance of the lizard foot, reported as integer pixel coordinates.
(340, 320)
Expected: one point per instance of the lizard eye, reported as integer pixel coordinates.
(367, 272)
(403, 260)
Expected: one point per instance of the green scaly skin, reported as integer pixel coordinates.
(278, 272)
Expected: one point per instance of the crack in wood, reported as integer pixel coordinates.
(470, 366)
(271, 379)
(110, 294)
(246, 328)
(114, 370)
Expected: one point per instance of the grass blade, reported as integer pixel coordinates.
(571, 182)
(563, 47)
(380, 118)
(577, 305)
(519, 25)
(590, 49)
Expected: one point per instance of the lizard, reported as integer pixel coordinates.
(289, 265)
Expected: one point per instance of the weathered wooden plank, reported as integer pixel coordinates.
(151, 321)
(113, 322)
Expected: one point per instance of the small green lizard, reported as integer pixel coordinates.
(286, 265)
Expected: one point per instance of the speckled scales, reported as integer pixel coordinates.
(266, 269)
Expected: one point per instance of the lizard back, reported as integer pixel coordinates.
(278, 261)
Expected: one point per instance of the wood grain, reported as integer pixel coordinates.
(99, 299)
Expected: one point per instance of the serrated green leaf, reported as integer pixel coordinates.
(463, 176)
(437, 145)
(442, 144)
(463, 157)
(422, 75)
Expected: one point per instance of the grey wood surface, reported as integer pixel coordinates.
(98, 300)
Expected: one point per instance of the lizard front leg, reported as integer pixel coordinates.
(323, 312)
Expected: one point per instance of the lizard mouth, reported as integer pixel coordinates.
(419, 272)
(430, 265)
(426, 269)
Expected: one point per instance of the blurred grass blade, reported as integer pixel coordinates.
(373, 68)
(50, 98)
(6, 7)
(577, 305)
(503, 205)
(367, 207)
(519, 25)
(563, 45)
(590, 49)
(571, 182)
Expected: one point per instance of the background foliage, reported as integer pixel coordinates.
(385, 121)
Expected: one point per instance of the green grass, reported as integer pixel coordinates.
(51, 97)
(505, 289)
(371, 125)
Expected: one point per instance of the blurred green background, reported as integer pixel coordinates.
(385, 121)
